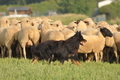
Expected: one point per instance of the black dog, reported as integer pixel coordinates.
(58, 50)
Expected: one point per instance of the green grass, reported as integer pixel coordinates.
(21, 69)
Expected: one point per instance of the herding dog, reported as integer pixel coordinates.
(58, 50)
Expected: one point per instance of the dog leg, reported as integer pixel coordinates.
(75, 62)
(51, 59)
(34, 60)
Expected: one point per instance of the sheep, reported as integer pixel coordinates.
(57, 25)
(117, 41)
(72, 25)
(81, 26)
(95, 43)
(44, 27)
(7, 36)
(54, 35)
(25, 22)
(103, 24)
(34, 23)
(109, 42)
(27, 36)
(15, 22)
(48, 33)
(114, 28)
(67, 33)
(89, 22)
(45, 18)
(4, 22)
(38, 19)
(91, 31)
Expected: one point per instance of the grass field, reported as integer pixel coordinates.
(65, 18)
(21, 69)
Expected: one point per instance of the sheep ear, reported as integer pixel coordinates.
(19, 22)
(57, 25)
(86, 22)
(77, 21)
(51, 24)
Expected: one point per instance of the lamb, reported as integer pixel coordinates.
(95, 43)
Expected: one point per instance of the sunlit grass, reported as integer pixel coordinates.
(21, 69)
(65, 18)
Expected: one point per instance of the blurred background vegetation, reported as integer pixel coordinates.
(86, 7)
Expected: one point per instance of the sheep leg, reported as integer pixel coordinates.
(10, 52)
(101, 56)
(2, 51)
(24, 52)
(20, 49)
(116, 54)
(96, 56)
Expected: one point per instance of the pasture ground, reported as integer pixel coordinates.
(21, 69)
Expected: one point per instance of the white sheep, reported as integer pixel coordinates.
(48, 33)
(25, 22)
(4, 22)
(27, 36)
(72, 25)
(67, 33)
(90, 23)
(81, 26)
(7, 36)
(95, 43)
(117, 41)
